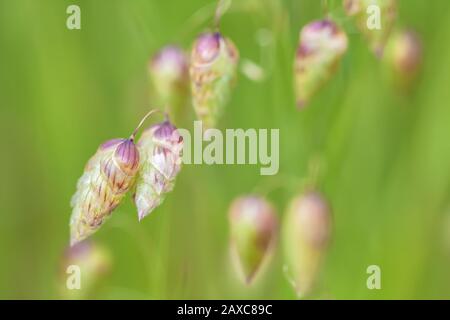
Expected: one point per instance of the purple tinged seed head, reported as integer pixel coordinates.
(407, 52)
(321, 36)
(313, 218)
(170, 59)
(257, 211)
(207, 47)
(253, 226)
(306, 234)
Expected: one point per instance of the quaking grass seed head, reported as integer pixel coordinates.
(306, 233)
(404, 58)
(321, 46)
(107, 177)
(253, 226)
(169, 80)
(213, 67)
(161, 147)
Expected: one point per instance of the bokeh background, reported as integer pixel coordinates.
(384, 156)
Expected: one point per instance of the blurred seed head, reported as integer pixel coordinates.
(108, 175)
(306, 234)
(213, 67)
(161, 147)
(376, 38)
(253, 226)
(94, 263)
(404, 56)
(322, 44)
(169, 80)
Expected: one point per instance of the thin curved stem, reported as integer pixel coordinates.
(133, 135)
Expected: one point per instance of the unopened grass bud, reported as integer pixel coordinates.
(374, 19)
(107, 177)
(321, 46)
(306, 234)
(213, 67)
(169, 80)
(161, 148)
(253, 226)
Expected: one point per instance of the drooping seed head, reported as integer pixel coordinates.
(161, 147)
(404, 56)
(376, 25)
(213, 71)
(306, 235)
(321, 45)
(253, 225)
(169, 79)
(84, 264)
(108, 175)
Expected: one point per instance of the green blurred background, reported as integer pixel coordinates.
(385, 157)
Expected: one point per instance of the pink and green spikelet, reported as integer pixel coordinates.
(169, 82)
(306, 236)
(253, 226)
(321, 46)
(213, 67)
(161, 148)
(404, 58)
(107, 177)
